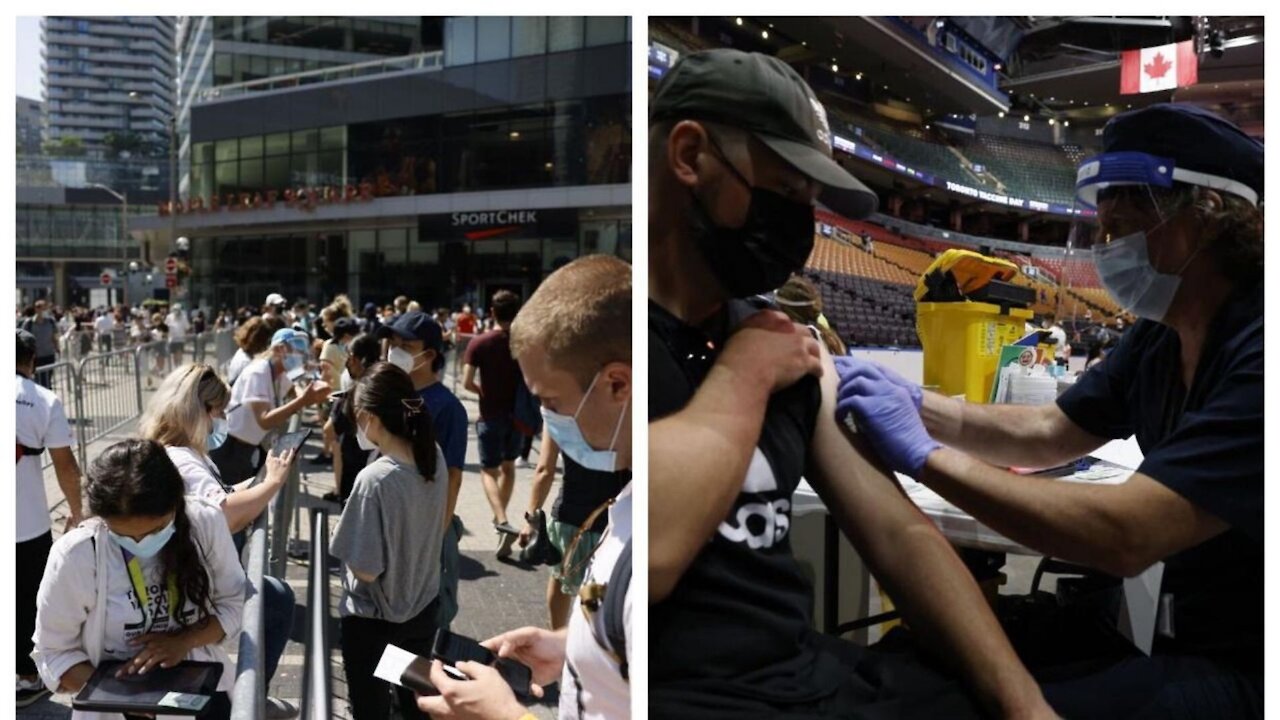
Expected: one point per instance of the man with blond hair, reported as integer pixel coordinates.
(573, 343)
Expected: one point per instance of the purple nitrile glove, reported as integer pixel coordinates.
(848, 367)
(883, 412)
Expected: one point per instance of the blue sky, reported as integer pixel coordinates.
(29, 57)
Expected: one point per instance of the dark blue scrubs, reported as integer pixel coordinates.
(1205, 443)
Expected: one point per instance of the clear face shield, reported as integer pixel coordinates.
(1121, 199)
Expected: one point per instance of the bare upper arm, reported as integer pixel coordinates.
(847, 473)
(259, 408)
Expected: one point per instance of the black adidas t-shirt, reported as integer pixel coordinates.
(738, 624)
(1206, 444)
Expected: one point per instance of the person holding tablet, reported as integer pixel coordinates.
(152, 578)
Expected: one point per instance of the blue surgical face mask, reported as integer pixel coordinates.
(568, 436)
(217, 435)
(1126, 271)
(149, 545)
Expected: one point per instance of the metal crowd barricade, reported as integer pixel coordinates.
(282, 507)
(109, 396)
(224, 348)
(61, 377)
(249, 695)
(316, 681)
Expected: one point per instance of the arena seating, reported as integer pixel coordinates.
(868, 295)
(837, 257)
(866, 312)
(676, 37)
(1030, 170)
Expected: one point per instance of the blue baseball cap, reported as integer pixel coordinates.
(292, 338)
(1166, 143)
(415, 326)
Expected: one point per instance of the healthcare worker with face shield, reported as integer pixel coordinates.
(1178, 243)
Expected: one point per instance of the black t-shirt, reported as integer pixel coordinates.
(739, 622)
(1206, 445)
(354, 457)
(585, 490)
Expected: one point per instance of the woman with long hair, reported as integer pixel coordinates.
(151, 579)
(389, 537)
(187, 416)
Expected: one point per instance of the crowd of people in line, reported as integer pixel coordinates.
(148, 570)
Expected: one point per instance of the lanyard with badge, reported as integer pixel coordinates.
(140, 591)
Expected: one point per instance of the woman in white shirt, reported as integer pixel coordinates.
(111, 586)
(186, 415)
(256, 405)
(251, 339)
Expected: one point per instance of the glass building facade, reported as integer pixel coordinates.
(559, 144)
(553, 145)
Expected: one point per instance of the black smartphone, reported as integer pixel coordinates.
(517, 674)
(452, 649)
(290, 441)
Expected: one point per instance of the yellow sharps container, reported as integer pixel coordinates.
(962, 338)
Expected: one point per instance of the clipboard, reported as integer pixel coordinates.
(184, 689)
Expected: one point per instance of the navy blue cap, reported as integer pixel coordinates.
(413, 326)
(1194, 138)
(27, 341)
(345, 326)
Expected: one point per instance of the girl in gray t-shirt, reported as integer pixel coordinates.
(389, 537)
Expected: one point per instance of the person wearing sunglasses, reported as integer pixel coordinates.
(151, 579)
(572, 340)
(1177, 242)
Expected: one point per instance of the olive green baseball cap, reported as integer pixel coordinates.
(765, 96)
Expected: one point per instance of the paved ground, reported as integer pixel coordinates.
(494, 595)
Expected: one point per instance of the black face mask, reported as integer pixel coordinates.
(774, 241)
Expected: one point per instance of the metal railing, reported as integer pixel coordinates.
(433, 60)
(105, 402)
(317, 684)
(282, 508)
(249, 695)
(102, 392)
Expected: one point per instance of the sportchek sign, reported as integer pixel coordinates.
(495, 224)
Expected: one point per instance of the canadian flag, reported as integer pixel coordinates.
(1164, 67)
